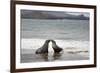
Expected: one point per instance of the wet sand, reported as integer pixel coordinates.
(28, 56)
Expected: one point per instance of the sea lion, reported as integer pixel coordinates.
(55, 47)
(43, 49)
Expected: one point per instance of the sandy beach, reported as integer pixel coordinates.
(72, 50)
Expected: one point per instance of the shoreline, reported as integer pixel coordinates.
(30, 56)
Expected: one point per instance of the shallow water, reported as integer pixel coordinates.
(28, 55)
(62, 29)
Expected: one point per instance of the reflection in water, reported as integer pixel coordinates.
(30, 56)
(57, 56)
(46, 57)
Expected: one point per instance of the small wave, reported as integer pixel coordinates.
(77, 52)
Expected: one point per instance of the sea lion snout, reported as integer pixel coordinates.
(52, 41)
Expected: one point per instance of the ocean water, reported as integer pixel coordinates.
(55, 29)
(71, 35)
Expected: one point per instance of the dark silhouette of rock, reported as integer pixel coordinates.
(44, 48)
(55, 47)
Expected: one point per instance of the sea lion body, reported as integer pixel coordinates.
(55, 47)
(43, 49)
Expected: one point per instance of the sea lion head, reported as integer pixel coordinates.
(47, 41)
(53, 41)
